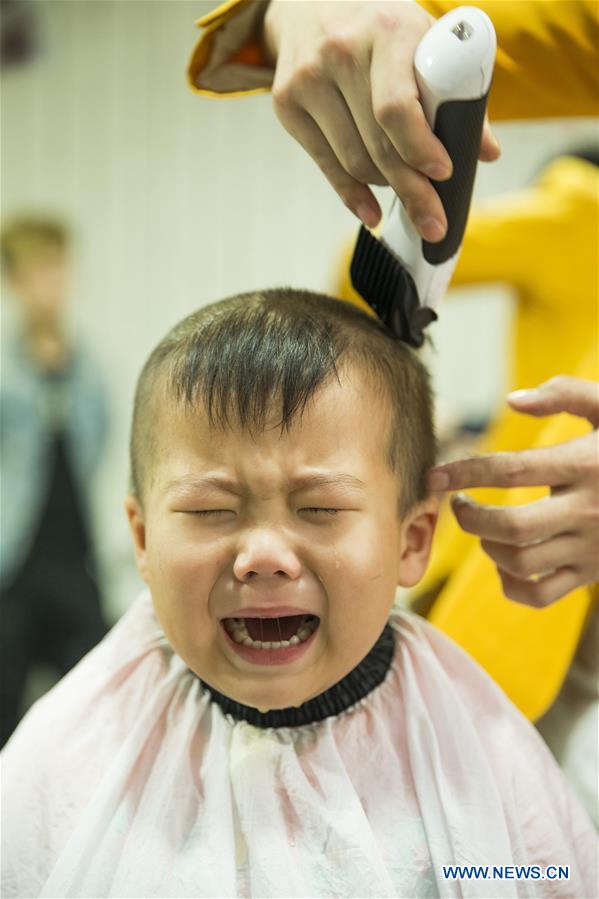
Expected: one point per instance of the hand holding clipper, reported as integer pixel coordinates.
(401, 276)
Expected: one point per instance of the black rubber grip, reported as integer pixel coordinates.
(458, 125)
(389, 289)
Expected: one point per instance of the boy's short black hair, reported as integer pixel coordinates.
(243, 357)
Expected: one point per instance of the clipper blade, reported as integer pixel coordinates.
(389, 289)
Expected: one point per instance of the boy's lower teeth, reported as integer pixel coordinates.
(237, 629)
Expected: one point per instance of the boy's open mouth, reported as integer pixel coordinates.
(271, 633)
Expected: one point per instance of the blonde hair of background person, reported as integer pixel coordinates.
(242, 51)
(35, 265)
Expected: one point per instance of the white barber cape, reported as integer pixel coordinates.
(127, 779)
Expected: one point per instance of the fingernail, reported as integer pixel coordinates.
(527, 396)
(438, 480)
(431, 229)
(369, 216)
(438, 171)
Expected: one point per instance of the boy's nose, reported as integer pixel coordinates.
(266, 554)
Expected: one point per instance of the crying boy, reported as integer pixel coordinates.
(263, 722)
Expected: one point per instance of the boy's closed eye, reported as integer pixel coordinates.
(207, 512)
(330, 511)
(314, 510)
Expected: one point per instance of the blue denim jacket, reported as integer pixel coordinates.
(28, 408)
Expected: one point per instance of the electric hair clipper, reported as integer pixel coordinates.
(400, 275)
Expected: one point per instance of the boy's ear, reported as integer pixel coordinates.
(417, 538)
(138, 532)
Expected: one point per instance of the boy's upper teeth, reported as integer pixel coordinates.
(236, 627)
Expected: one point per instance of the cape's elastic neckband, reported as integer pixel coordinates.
(371, 672)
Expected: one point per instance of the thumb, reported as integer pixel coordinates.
(560, 394)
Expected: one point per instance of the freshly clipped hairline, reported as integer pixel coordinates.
(139, 485)
(354, 347)
(164, 392)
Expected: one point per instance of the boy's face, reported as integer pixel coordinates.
(233, 525)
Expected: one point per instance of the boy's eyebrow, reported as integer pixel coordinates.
(302, 482)
(325, 479)
(221, 482)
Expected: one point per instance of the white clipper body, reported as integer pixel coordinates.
(453, 63)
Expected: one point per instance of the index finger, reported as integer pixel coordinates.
(397, 110)
(562, 393)
(394, 92)
(547, 467)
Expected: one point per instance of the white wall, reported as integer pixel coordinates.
(179, 201)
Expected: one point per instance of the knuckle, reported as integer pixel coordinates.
(517, 591)
(421, 201)
(509, 586)
(543, 593)
(387, 19)
(412, 155)
(390, 111)
(382, 150)
(339, 46)
(467, 517)
(359, 167)
(512, 593)
(516, 561)
(378, 178)
(282, 97)
(558, 382)
(517, 529)
(588, 467)
(413, 203)
(417, 206)
(521, 563)
(590, 517)
(307, 75)
(513, 468)
(329, 168)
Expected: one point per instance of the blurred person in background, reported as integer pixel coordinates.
(53, 426)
